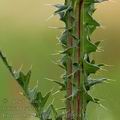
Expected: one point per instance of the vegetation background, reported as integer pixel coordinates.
(26, 40)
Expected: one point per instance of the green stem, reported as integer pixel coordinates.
(69, 69)
(77, 13)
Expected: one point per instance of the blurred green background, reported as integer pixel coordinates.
(26, 40)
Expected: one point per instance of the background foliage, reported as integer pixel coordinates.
(26, 39)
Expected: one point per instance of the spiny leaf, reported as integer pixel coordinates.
(92, 62)
(32, 94)
(61, 8)
(45, 98)
(89, 47)
(46, 114)
(56, 115)
(20, 77)
(58, 5)
(62, 85)
(90, 23)
(68, 51)
(94, 1)
(90, 83)
(89, 98)
(62, 11)
(63, 38)
(23, 79)
(64, 60)
(90, 68)
(36, 98)
(97, 43)
(4, 59)
(54, 111)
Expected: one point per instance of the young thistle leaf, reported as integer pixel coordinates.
(62, 11)
(89, 46)
(23, 80)
(91, 82)
(90, 68)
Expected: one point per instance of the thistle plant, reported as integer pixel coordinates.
(35, 97)
(76, 56)
(76, 61)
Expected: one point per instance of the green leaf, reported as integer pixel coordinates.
(46, 114)
(4, 59)
(68, 51)
(45, 98)
(92, 62)
(32, 94)
(42, 99)
(37, 100)
(89, 47)
(61, 8)
(35, 97)
(63, 38)
(62, 11)
(89, 98)
(90, 68)
(64, 61)
(94, 1)
(90, 23)
(23, 79)
(97, 43)
(20, 77)
(62, 85)
(89, 83)
(54, 111)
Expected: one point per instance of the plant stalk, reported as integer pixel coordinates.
(69, 69)
(77, 12)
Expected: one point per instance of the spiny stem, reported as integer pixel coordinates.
(69, 69)
(78, 58)
(69, 83)
(77, 28)
(77, 62)
(79, 104)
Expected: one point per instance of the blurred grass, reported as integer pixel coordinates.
(26, 40)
